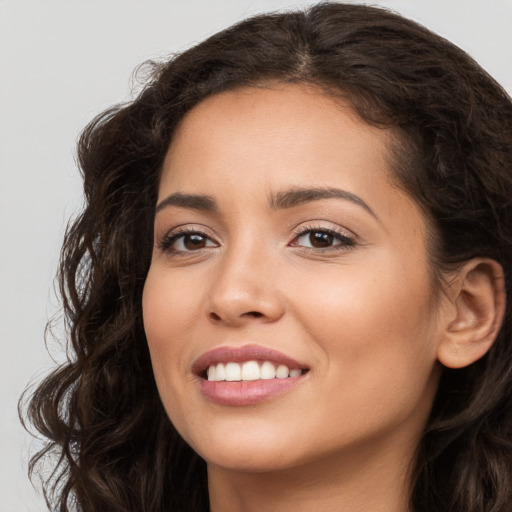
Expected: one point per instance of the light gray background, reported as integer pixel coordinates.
(63, 61)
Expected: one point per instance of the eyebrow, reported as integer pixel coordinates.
(199, 202)
(282, 200)
(298, 196)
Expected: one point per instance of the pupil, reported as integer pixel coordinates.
(319, 239)
(194, 242)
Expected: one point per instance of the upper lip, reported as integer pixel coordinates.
(227, 354)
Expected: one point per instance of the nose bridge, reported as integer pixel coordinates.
(245, 287)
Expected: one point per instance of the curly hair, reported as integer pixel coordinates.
(114, 446)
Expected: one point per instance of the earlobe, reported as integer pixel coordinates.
(478, 297)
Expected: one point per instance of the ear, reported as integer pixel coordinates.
(474, 314)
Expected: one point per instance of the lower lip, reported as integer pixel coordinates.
(246, 392)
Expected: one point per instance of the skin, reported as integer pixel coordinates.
(362, 315)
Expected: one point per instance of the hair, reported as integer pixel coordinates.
(114, 446)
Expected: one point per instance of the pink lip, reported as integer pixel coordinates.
(245, 392)
(241, 354)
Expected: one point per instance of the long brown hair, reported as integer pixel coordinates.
(114, 447)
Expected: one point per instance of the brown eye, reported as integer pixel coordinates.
(187, 242)
(194, 241)
(322, 239)
(319, 239)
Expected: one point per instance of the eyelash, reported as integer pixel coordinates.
(346, 241)
(166, 244)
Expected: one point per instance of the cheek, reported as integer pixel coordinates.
(379, 301)
(170, 312)
(375, 326)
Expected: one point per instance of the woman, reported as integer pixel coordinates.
(287, 288)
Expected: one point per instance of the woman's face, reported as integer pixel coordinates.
(282, 245)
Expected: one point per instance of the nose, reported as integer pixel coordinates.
(244, 290)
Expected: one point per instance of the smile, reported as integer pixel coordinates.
(246, 375)
(250, 371)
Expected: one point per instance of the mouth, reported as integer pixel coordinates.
(246, 375)
(250, 371)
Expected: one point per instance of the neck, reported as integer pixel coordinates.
(378, 482)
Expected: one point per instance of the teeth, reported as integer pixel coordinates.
(250, 370)
(233, 372)
(220, 372)
(268, 371)
(282, 372)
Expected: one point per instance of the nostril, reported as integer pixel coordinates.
(254, 314)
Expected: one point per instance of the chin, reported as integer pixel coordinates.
(255, 459)
(248, 449)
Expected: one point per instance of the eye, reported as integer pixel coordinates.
(186, 241)
(322, 238)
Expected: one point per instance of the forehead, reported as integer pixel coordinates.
(293, 132)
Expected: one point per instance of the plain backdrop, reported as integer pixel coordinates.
(62, 62)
